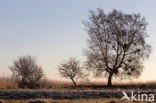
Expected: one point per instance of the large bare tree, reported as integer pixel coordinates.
(26, 71)
(71, 69)
(116, 44)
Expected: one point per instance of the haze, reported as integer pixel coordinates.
(52, 30)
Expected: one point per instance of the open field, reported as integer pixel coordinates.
(113, 100)
(8, 84)
(67, 95)
(64, 92)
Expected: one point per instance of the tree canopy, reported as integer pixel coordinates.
(117, 44)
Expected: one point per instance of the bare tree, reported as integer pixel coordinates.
(71, 69)
(116, 44)
(26, 71)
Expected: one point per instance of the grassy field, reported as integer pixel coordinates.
(64, 92)
(8, 84)
(112, 100)
(64, 96)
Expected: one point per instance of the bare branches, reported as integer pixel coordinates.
(71, 69)
(26, 71)
(116, 39)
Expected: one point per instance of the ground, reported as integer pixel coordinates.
(60, 92)
(78, 95)
(110, 100)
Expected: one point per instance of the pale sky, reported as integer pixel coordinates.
(52, 30)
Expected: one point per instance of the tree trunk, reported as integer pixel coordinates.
(109, 83)
(75, 85)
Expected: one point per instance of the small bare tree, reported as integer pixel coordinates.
(117, 45)
(71, 69)
(26, 72)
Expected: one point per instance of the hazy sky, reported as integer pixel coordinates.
(52, 30)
